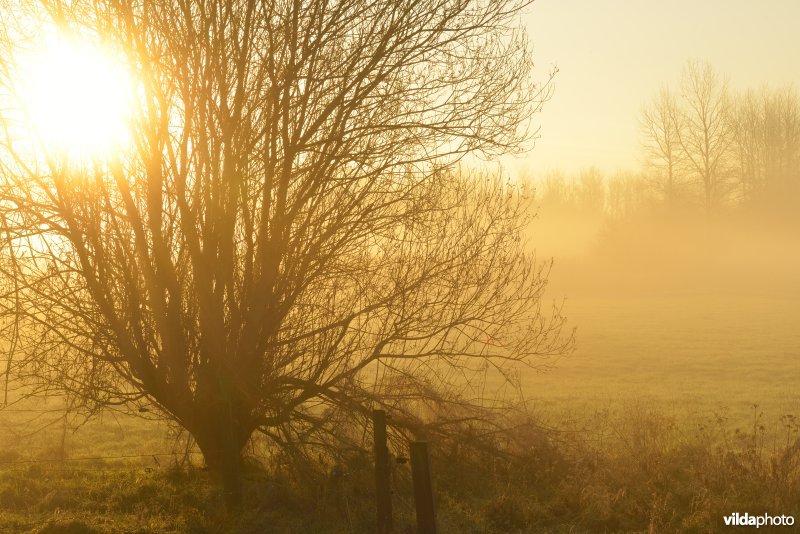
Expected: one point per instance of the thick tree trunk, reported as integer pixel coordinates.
(221, 441)
(220, 423)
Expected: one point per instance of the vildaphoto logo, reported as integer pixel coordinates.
(766, 520)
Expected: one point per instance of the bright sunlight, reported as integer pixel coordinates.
(77, 98)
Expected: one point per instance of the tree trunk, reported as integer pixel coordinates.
(221, 441)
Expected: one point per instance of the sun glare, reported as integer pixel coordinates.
(77, 98)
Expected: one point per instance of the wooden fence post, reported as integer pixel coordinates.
(382, 473)
(423, 487)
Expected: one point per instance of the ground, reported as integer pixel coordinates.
(672, 412)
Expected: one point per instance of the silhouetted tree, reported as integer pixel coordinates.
(630, 194)
(287, 242)
(660, 123)
(704, 132)
(766, 131)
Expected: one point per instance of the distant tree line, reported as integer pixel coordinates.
(705, 147)
(594, 194)
(706, 144)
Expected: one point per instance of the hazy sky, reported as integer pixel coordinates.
(613, 55)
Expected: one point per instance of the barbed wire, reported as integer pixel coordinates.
(31, 410)
(30, 525)
(96, 458)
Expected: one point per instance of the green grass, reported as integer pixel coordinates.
(672, 412)
(637, 470)
(691, 355)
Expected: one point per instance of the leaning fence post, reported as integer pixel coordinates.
(423, 487)
(382, 472)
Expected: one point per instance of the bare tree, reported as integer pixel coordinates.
(660, 123)
(782, 133)
(630, 194)
(747, 124)
(766, 130)
(288, 242)
(705, 134)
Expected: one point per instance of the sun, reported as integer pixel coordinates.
(77, 98)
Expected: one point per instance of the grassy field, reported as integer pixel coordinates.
(683, 355)
(672, 411)
(688, 355)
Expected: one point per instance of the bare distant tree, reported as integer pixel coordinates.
(288, 242)
(782, 145)
(766, 130)
(590, 191)
(746, 120)
(630, 194)
(705, 134)
(660, 122)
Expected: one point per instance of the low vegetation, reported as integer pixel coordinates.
(638, 469)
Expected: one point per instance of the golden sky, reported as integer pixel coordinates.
(613, 55)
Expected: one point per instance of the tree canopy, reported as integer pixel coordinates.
(290, 237)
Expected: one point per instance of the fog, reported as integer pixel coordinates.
(689, 310)
(736, 253)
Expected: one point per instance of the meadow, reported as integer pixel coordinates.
(690, 356)
(670, 413)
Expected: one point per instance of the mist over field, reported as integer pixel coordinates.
(690, 311)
